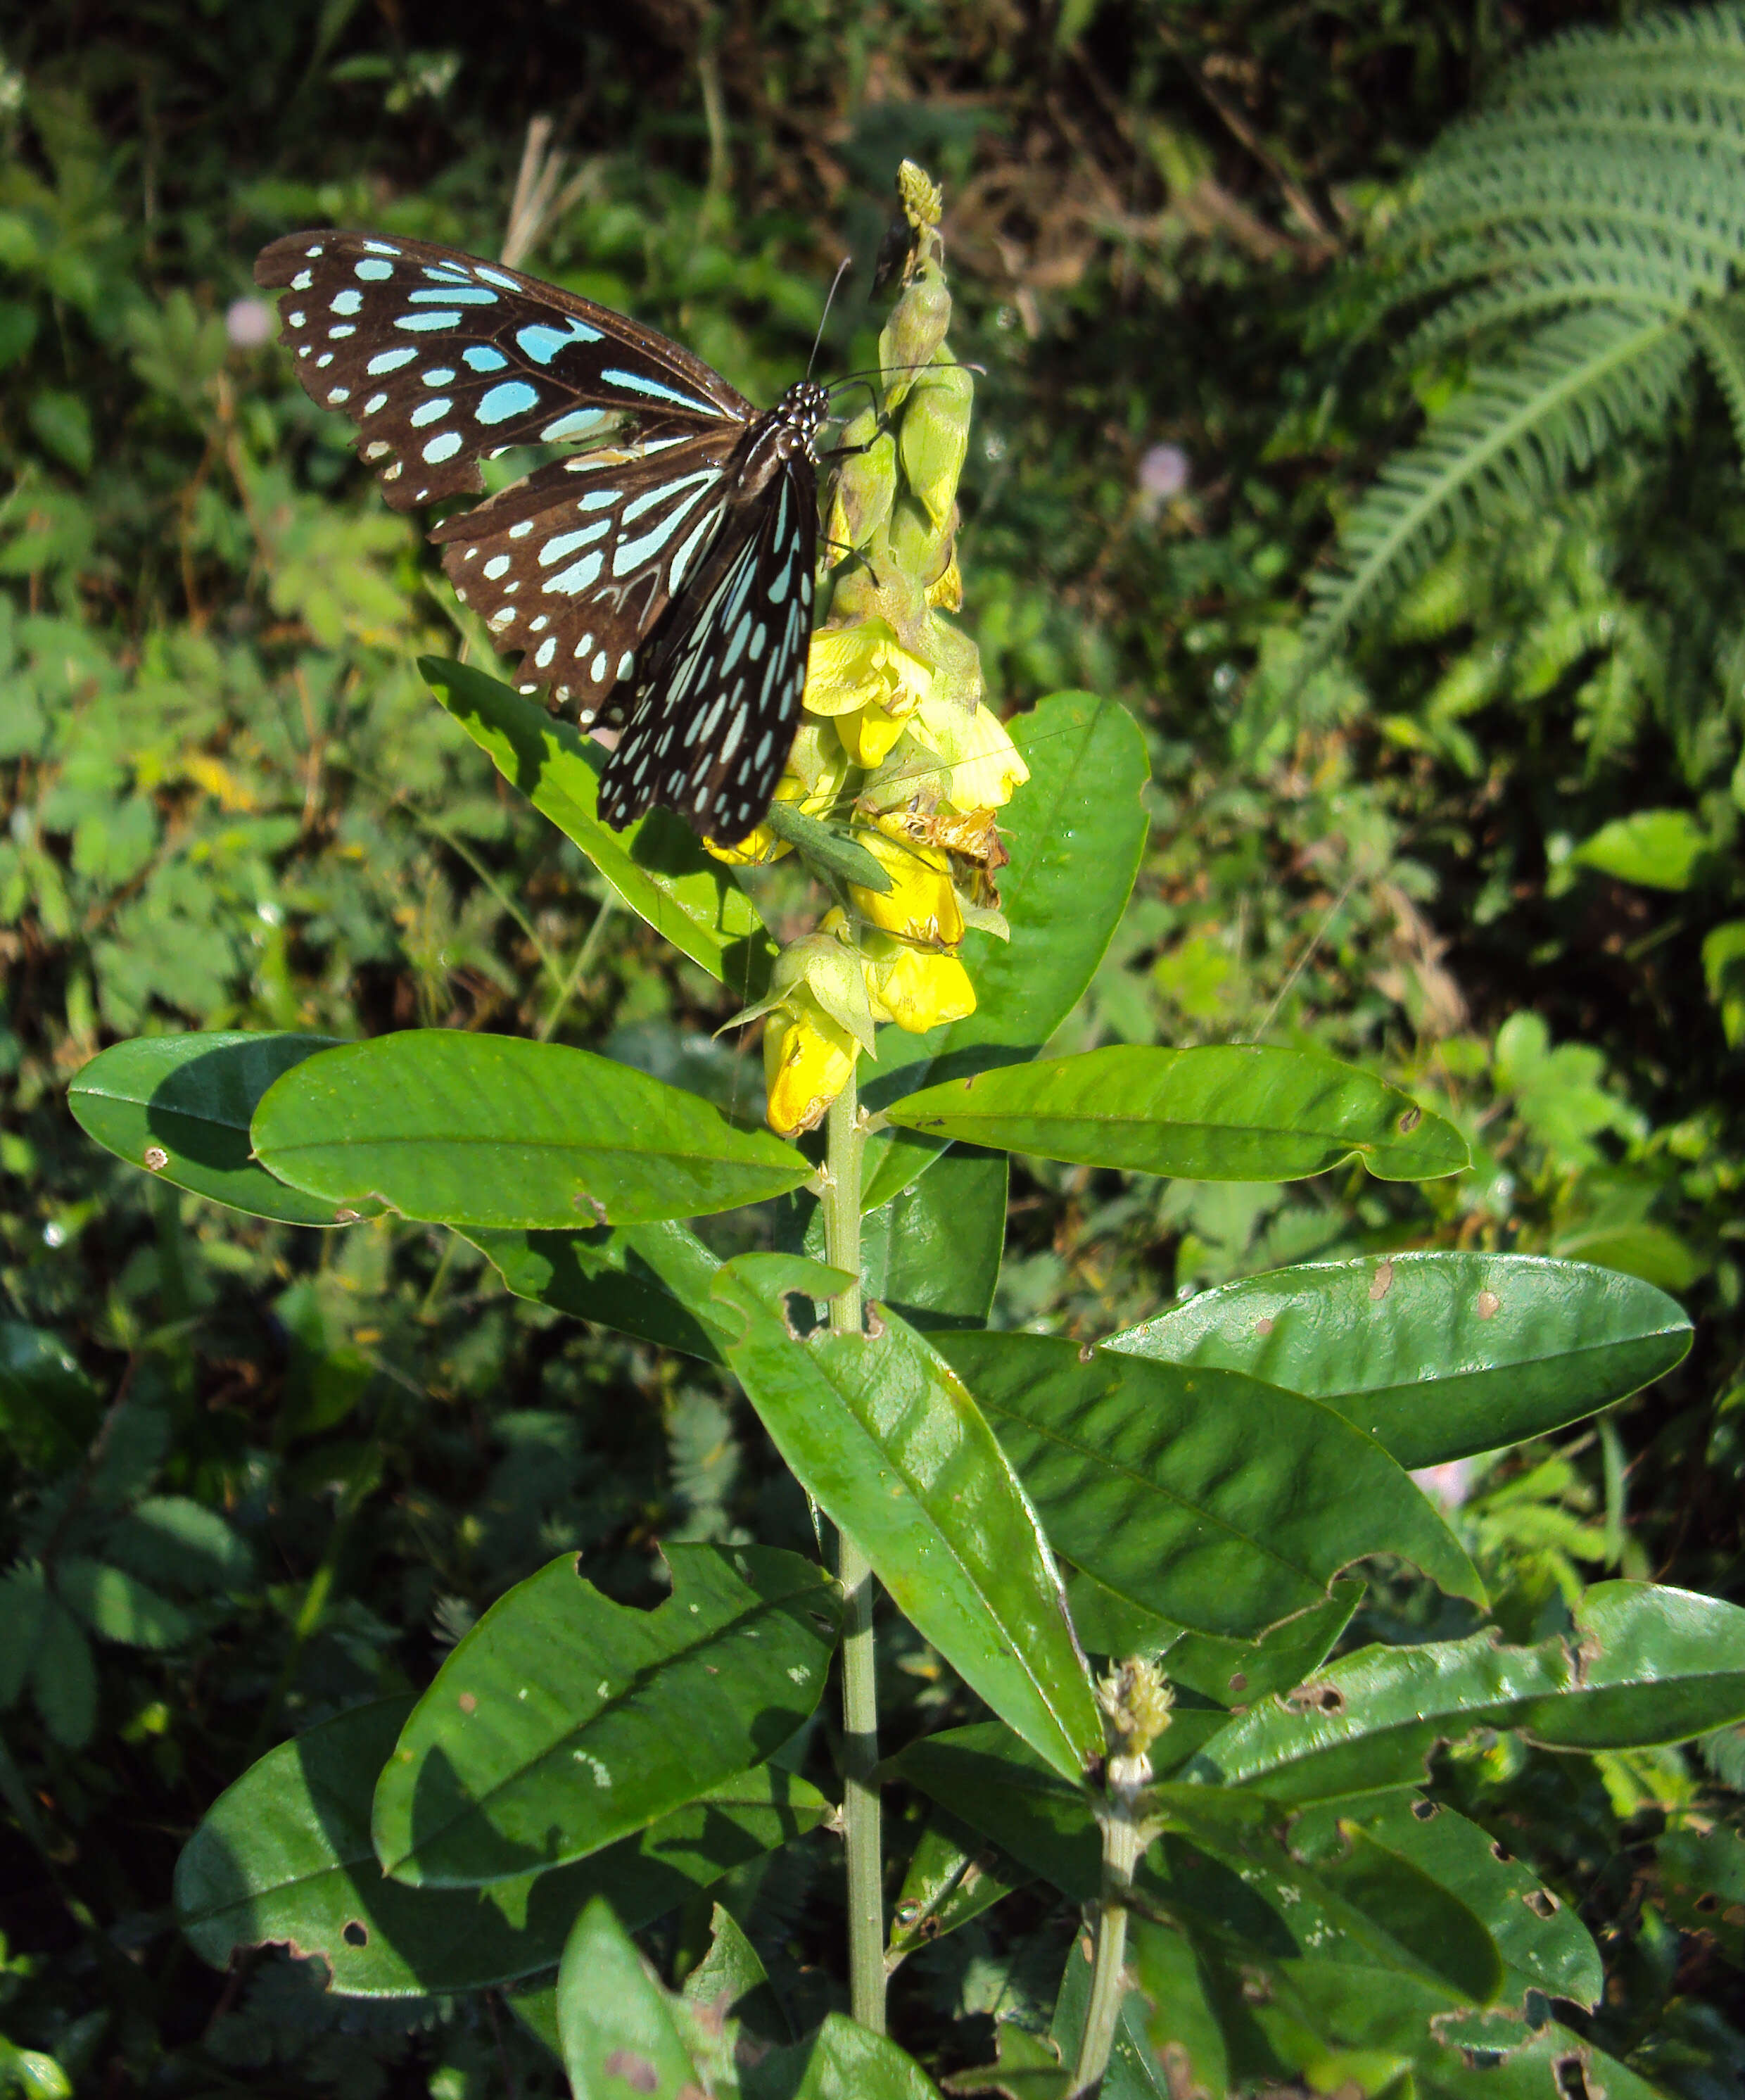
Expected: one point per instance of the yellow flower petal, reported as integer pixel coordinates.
(917, 988)
(920, 905)
(807, 1061)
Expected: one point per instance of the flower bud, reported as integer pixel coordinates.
(820, 968)
(914, 334)
(933, 437)
(808, 1058)
(920, 905)
(865, 485)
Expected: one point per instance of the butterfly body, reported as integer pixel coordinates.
(661, 579)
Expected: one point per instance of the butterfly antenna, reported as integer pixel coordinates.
(846, 264)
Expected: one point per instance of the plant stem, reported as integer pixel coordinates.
(860, 1707)
(1121, 1852)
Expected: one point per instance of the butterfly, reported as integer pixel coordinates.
(661, 578)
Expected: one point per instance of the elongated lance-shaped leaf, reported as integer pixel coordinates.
(1645, 1664)
(179, 1106)
(933, 1253)
(498, 1133)
(885, 1436)
(1075, 830)
(844, 2061)
(1235, 1112)
(283, 1855)
(623, 2034)
(651, 1281)
(656, 865)
(1206, 1497)
(1435, 1355)
(563, 1722)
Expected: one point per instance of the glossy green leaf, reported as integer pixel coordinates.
(562, 1722)
(887, 1440)
(932, 1252)
(952, 1877)
(1435, 1355)
(1235, 1673)
(651, 1281)
(284, 1855)
(180, 1107)
(497, 1131)
(731, 1978)
(656, 865)
(1231, 1112)
(1076, 830)
(1026, 2066)
(1134, 2073)
(1658, 848)
(1647, 1665)
(1178, 2014)
(842, 2062)
(624, 2038)
(1203, 1496)
(1544, 1945)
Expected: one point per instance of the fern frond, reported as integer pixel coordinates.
(1721, 331)
(1534, 296)
(1517, 431)
(1615, 265)
(1674, 52)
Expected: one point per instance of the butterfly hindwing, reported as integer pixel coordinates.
(440, 360)
(576, 565)
(714, 717)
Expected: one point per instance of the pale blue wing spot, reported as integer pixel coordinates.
(389, 360)
(502, 616)
(625, 662)
(430, 411)
(419, 322)
(514, 397)
(295, 320)
(547, 649)
(371, 272)
(520, 531)
(324, 360)
(634, 382)
(759, 641)
(445, 273)
(705, 480)
(686, 554)
(302, 280)
(579, 423)
(375, 248)
(597, 499)
(483, 358)
(566, 543)
(497, 565)
(347, 301)
(495, 276)
(439, 375)
(585, 645)
(578, 576)
(542, 343)
(377, 451)
(344, 329)
(443, 448)
(336, 395)
(311, 252)
(454, 295)
(596, 670)
(375, 405)
(538, 626)
(763, 744)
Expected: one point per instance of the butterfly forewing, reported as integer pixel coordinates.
(440, 360)
(661, 579)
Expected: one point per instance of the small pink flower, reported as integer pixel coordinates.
(1449, 1484)
(249, 323)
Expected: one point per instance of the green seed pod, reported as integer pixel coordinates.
(933, 437)
(914, 334)
(866, 484)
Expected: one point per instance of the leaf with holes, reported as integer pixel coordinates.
(283, 1855)
(563, 1722)
(1435, 1355)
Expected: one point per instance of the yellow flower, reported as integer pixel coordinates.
(985, 767)
(918, 988)
(864, 679)
(920, 905)
(807, 1061)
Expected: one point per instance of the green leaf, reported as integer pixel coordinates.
(951, 1877)
(933, 1253)
(842, 2062)
(1204, 1497)
(563, 1721)
(1134, 2073)
(1647, 1665)
(42, 1650)
(284, 1854)
(1544, 1945)
(61, 424)
(1658, 848)
(1076, 830)
(181, 1544)
(1231, 1112)
(651, 1281)
(886, 1439)
(1435, 1355)
(825, 851)
(1178, 2017)
(48, 1406)
(119, 1606)
(657, 865)
(497, 1131)
(180, 1107)
(731, 1978)
(624, 2037)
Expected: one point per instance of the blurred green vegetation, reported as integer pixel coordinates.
(253, 1476)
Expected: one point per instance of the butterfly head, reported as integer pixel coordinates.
(802, 409)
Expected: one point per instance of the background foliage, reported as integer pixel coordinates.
(254, 1476)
